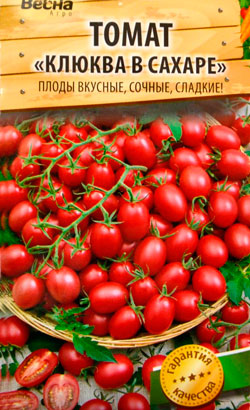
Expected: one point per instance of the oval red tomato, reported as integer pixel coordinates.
(108, 297)
(114, 375)
(25, 286)
(73, 361)
(209, 282)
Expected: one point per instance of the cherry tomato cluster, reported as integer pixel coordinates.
(135, 219)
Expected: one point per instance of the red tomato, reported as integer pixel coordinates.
(222, 137)
(100, 322)
(114, 375)
(76, 257)
(193, 131)
(150, 255)
(204, 152)
(160, 176)
(100, 175)
(91, 276)
(234, 164)
(15, 261)
(210, 347)
(67, 217)
(20, 214)
(35, 236)
(232, 188)
(30, 145)
(28, 291)
(11, 194)
(20, 171)
(96, 404)
(244, 406)
(133, 401)
(13, 331)
(243, 129)
(73, 361)
(10, 138)
(71, 173)
(237, 239)
(105, 240)
(142, 290)
(127, 249)
(133, 214)
(63, 196)
(159, 225)
(43, 126)
(170, 202)
(194, 181)
(244, 210)
(148, 366)
(182, 243)
(85, 154)
(183, 157)
(130, 178)
(124, 324)
(71, 134)
(212, 251)
(196, 216)
(235, 314)
(141, 193)
(174, 276)
(186, 305)
(209, 282)
(159, 314)
(63, 284)
(140, 150)
(61, 391)
(51, 151)
(108, 297)
(121, 272)
(93, 198)
(116, 152)
(243, 341)
(206, 333)
(159, 132)
(19, 400)
(36, 367)
(222, 209)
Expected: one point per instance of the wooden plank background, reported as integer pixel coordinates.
(186, 14)
(11, 98)
(194, 42)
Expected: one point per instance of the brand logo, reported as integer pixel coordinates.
(191, 376)
(47, 4)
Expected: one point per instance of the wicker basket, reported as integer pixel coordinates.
(47, 326)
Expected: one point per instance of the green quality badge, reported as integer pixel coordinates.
(191, 376)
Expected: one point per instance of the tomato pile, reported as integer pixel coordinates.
(131, 216)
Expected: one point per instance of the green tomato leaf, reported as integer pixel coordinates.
(4, 369)
(247, 287)
(148, 117)
(235, 290)
(12, 368)
(92, 349)
(173, 121)
(8, 237)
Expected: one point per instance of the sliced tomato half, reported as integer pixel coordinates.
(36, 368)
(18, 400)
